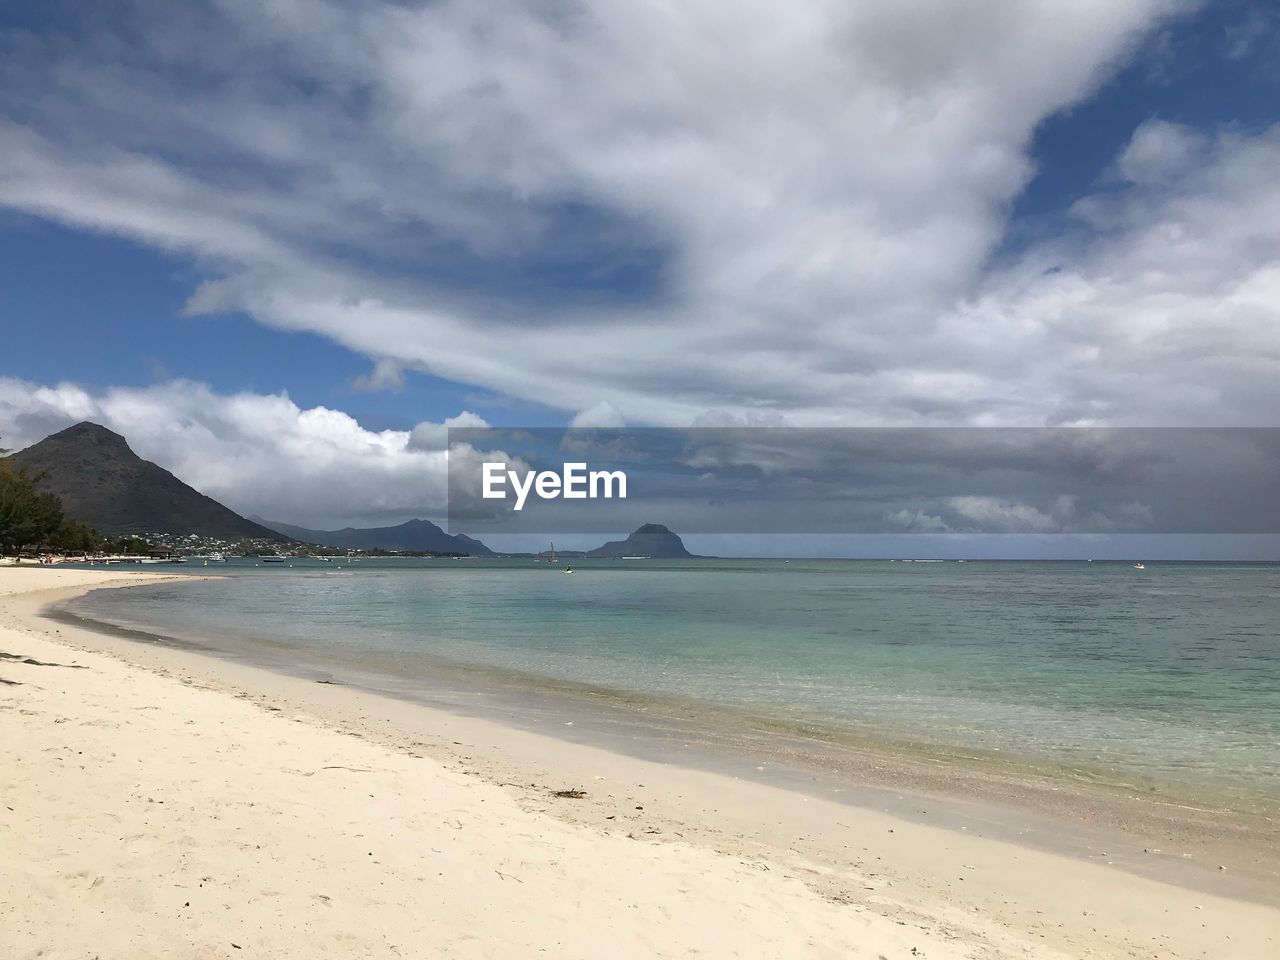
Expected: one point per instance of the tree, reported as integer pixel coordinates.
(128, 545)
(73, 536)
(27, 516)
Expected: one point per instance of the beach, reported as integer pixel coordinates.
(163, 802)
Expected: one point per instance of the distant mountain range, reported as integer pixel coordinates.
(103, 483)
(651, 540)
(415, 535)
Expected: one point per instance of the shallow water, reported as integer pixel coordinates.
(1171, 673)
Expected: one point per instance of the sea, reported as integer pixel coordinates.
(1169, 674)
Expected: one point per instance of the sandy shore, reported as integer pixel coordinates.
(160, 803)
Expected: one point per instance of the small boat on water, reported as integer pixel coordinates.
(1139, 566)
(272, 558)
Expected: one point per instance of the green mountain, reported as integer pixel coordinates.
(104, 484)
(651, 540)
(414, 535)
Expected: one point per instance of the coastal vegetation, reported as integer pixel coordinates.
(34, 520)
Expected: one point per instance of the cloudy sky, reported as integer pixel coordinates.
(274, 242)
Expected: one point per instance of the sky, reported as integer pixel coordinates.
(278, 243)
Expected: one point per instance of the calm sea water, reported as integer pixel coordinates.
(1172, 672)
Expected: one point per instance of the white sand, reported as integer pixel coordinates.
(161, 804)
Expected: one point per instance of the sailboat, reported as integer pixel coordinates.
(552, 558)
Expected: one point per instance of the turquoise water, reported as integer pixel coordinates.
(1172, 673)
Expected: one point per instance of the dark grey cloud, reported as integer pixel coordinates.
(890, 480)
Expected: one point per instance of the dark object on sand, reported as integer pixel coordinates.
(569, 794)
(18, 658)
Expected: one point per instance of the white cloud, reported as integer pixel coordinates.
(917, 521)
(603, 415)
(821, 183)
(1160, 151)
(1167, 315)
(985, 514)
(255, 453)
(429, 436)
(385, 375)
(992, 514)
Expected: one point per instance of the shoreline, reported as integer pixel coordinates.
(1189, 837)
(946, 884)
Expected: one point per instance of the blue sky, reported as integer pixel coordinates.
(132, 331)
(283, 236)
(1217, 66)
